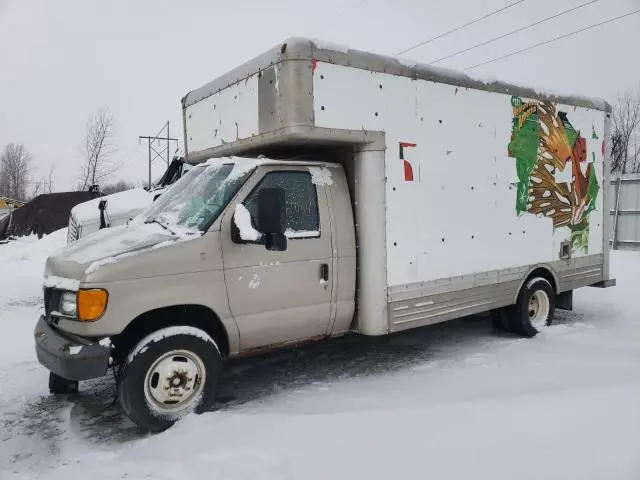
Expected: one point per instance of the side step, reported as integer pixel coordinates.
(605, 283)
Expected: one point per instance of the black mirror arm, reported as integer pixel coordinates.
(276, 242)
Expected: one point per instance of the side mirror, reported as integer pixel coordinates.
(102, 206)
(272, 218)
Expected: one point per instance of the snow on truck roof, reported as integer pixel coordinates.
(250, 162)
(310, 49)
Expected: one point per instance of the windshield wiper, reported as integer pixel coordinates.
(163, 225)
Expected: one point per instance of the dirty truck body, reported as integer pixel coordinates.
(353, 193)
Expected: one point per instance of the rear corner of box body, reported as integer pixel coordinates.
(608, 233)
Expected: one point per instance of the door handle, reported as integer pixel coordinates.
(324, 272)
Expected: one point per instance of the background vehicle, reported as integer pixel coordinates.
(395, 197)
(120, 207)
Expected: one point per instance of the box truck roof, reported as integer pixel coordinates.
(249, 162)
(315, 50)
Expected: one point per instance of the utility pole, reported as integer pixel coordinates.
(156, 154)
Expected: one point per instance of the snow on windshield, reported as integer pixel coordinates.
(196, 200)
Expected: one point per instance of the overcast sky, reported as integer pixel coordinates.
(60, 60)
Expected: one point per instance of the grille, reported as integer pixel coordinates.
(51, 300)
(72, 232)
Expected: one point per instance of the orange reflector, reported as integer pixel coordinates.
(91, 304)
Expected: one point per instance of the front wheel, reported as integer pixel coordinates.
(534, 309)
(169, 374)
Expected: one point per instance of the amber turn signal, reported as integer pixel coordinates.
(91, 304)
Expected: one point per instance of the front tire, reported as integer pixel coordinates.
(534, 309)
(169, 374)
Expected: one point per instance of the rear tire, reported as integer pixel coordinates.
(169, 374)
(61, 386)
(534, 309)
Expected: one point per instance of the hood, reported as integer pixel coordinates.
(73, 261)
(118, 204)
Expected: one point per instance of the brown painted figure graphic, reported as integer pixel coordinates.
(544, 143)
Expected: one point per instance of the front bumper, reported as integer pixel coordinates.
(73, 359)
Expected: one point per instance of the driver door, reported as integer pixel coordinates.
(282, 297)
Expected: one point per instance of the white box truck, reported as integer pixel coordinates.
(334, 191)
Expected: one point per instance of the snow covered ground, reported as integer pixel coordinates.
(454, 401)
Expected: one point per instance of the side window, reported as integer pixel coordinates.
(301, 202)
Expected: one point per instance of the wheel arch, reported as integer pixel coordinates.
(193, 315)
(543, 271)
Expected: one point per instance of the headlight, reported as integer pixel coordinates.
(68, 304)
(91, 304)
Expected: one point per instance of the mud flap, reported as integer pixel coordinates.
(564, 300)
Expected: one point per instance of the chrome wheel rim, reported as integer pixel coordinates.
(539, 309)
(174, 382)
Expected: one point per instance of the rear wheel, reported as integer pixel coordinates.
(168, 375)
(534, 309)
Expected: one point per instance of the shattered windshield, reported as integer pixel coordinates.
(196, 200)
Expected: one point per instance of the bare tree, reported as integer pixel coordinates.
(626, 120)
(15, 165)
(37, 188)
(617, 154)
(48, 182)
(44, 184)
(97, 149)
(635, 153)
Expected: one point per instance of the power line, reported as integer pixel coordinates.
(151, 148)
(460, 27)
(513, 32)
(552, 40)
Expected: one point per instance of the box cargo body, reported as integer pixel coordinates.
(461, 189)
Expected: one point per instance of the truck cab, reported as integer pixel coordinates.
(215, 251)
